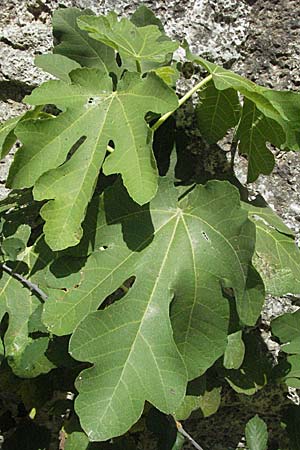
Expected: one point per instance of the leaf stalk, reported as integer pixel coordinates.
(186, 435)
(183, 99)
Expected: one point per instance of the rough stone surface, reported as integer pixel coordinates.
(257, 38)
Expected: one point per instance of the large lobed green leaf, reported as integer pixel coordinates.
(267, 116)
(68, 182)
(183, 252)
(146, 45)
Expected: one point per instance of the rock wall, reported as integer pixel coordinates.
(257, 38)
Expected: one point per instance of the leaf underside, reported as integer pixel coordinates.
(147, 360)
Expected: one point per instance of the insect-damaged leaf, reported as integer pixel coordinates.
(147, 46)
(69, 181)
(176, 252)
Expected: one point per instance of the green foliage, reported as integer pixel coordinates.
(267, 116)
(143, 47)
(217, 112)
(208, 404)
(123, 284)
(277, 257)
(256, 434)
(235, 351)
(287, 329)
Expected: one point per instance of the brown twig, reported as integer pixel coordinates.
(31, 286)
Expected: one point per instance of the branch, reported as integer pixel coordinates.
(31, 286)
(186, 435)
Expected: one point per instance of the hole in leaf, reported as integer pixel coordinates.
(205, 236)
(75, 147)
(118, 293)
(151, 117)
(92, 101)
(118, 59)
(114, 79)
(37, 334)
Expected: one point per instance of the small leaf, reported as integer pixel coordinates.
(254, 131)
(256, 434)
(7, 130)
(7, 136)
(178, 444)
(275, 116)
(169, 74)
(292, 378)
(235, 351)
(254, 371)
(19, 304)
(208, 403)
(217, 112)
(143, 16)
(277, 256)
(32, 361)
(77, 441)
(254, 298)
(287, 329)
(16, 244)
(58, 65)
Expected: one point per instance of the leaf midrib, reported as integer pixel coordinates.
(138, 333)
